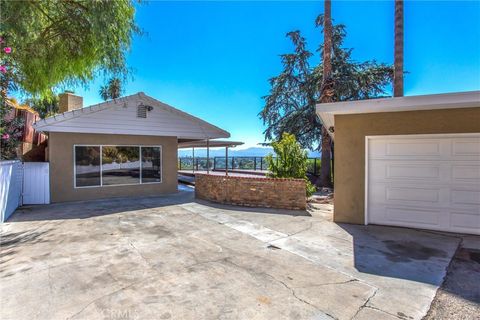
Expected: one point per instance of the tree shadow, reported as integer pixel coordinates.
(12, 242)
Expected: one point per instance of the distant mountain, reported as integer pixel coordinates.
(249, 152)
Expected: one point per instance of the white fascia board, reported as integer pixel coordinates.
(412, 103)
(327, 111)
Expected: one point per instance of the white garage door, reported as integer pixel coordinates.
(424, 181)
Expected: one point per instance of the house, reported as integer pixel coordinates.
(32, 143)
(407, 161)
(123, 147)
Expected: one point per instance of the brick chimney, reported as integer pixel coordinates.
(68, 102)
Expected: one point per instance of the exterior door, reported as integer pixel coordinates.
(424, 181)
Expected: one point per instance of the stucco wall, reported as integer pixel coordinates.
(252, 191)
(61, 166)
(350, 132)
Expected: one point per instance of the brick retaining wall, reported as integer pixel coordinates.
(252, 191)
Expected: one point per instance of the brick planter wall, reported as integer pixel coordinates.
(252, 192)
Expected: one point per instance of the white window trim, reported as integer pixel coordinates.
(101, 165)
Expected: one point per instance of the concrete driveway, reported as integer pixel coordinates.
(173, 258)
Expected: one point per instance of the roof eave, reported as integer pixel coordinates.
(398, 104)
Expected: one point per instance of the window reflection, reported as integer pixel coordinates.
(87, 166)
(151, 164)
(120, 165)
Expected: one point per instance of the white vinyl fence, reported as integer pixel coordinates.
(11, 178)
(22, 183)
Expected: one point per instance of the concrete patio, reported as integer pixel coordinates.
(174, 258)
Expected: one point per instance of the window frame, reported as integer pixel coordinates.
(101, 164)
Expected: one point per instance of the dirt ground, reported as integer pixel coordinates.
(459, 296)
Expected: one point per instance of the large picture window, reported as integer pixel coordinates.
(117, 165)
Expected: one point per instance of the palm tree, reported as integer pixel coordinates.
(112, 90)
(326, 93)
(398, 54)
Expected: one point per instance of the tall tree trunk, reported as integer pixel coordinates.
(326, 92)
(398, 54)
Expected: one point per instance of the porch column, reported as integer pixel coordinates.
(193, 162)
(208, 156)
(226, 161)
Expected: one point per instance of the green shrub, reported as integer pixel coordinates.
(290, 161)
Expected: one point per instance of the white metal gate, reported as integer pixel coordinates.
(36, 183)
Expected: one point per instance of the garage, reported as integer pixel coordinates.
(424, 181)
(407, 161)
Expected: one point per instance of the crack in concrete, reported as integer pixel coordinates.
(107, 295)
(365, 303)
(141, 255)
(327, 284)
(300, 299)
(383, 311)
(249, 270)
(271, 242)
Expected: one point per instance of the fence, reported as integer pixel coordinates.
(237, 163)
(11, 179)
(26, 183)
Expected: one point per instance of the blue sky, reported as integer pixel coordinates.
(214, 59)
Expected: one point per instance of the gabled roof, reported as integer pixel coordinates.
(119, 116)
(327, 111)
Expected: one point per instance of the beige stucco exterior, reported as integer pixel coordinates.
(62, 167)
(350, 133)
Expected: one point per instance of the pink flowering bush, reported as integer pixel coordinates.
(11, 128)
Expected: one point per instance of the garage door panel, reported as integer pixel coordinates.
(398, 170)
(413, 148)
(409, 171)
(420, 196)
(405, 148)
(466, 147)
(466, 173)
(406, 215)
(429, 195)
(425, 182)
(465, 197)
(464, 221)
